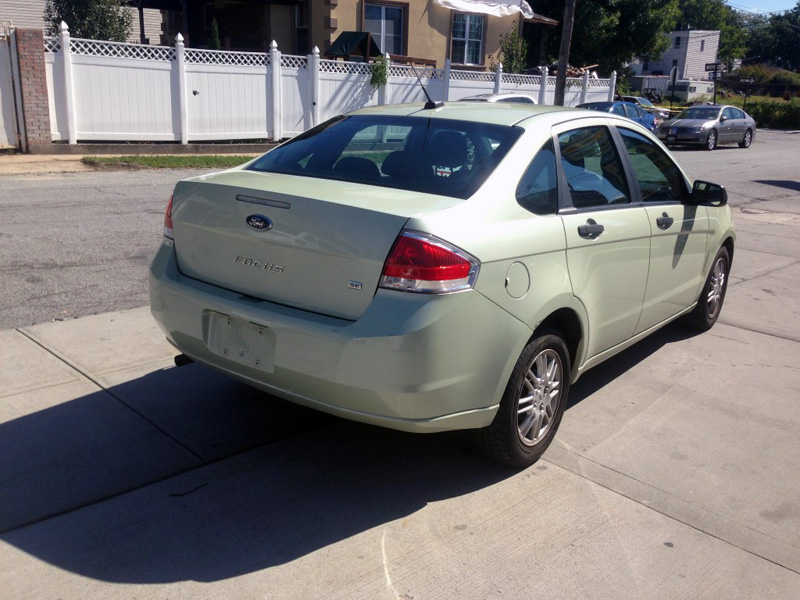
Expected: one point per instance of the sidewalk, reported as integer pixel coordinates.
(673, 472)
(63, 158)
(26, 164)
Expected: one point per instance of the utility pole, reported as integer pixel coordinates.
(563, 53)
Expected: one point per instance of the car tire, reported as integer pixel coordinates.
(711, 140)
(747, 139)
(532, 404)
(706, 313)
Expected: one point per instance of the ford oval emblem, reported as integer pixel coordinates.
(259, 222)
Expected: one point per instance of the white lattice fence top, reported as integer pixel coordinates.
(471, 76)
(423, 72)
(515, 79)
(221, 57)
(599, 82)
(120, 50)
(294, 62)
(52, 44)
(339, 66)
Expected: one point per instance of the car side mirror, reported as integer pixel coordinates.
(723, 119)
(707, 193)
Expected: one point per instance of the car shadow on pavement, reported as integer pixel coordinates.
(138, 484)
(596, 379)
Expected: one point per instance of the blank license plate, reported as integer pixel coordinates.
(241, 341)
(670, 138)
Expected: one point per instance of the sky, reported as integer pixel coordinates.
(762, 6)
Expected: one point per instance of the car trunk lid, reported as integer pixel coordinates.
(308, 243)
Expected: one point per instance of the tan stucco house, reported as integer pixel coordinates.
(419, 29)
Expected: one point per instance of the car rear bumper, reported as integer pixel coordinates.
(414, 362)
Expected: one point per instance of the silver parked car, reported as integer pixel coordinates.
(508, 97)
(453, 267)
(709, 125)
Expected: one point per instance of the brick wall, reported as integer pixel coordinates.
(33, 87)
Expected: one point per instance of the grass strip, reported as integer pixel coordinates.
(160, 161)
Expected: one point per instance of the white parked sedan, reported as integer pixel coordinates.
(451, 267)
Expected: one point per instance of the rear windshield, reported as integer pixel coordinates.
(437, 156)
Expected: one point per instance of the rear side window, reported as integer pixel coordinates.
(538, 189)
(658, 176)
(592, 167)
(437, 156)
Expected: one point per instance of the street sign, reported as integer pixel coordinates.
(717, 66)
(747, 80)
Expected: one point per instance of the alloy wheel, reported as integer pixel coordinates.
(717, 287)
(539, 397)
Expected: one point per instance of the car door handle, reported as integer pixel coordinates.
(665, 221)
(591, 230)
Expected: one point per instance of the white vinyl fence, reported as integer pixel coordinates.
(130, 92)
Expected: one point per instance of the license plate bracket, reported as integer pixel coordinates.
(241, 341)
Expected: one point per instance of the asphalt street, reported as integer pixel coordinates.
(673, 475)
(76, 244)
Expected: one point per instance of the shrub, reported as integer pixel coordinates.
(773, 113)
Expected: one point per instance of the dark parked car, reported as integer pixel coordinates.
(709, 125)
(648, 106)
(624, 109)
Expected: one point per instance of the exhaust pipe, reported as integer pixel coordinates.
(181, 360)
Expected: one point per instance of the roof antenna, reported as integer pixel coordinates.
(430, 104)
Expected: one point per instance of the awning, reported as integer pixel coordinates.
(496, 8)
(358, 43)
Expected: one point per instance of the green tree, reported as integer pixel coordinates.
(513, 51)
(778, 42)
(611, 33)
(89, 19)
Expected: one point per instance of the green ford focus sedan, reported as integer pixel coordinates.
(428, 268)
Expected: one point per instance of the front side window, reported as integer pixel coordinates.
(538, 189)
(659, 178)
(467, 48)
(436, 156)
(593, 169)
(386, 23)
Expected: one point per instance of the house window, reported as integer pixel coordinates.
(208, 18)
(674, 62)
(645, 66)
(301, 40)
(467, 48)
(702, 45)
(386, 23)
(677, 41)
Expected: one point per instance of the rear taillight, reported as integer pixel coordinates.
(419, 262)
(168, 220)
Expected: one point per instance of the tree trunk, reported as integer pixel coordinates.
(563, 53)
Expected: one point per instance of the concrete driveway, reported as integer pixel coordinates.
(674, 473)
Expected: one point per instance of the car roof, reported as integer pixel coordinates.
(481, 112)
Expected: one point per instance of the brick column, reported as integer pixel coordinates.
(33, 87)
